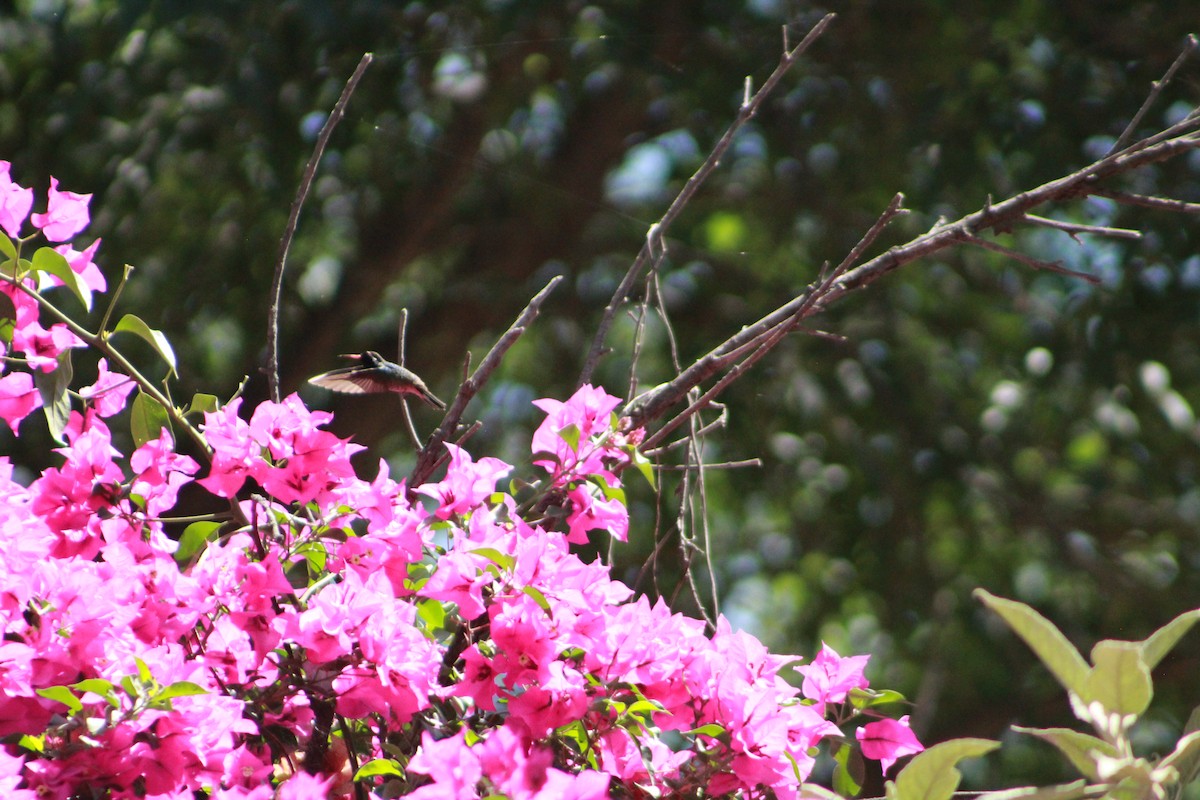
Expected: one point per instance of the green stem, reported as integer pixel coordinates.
(100, 342)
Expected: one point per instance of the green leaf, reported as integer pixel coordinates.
(1079, 748)
(644, 466)
(931, 775)
(1162, 640)
(49, 260)
(7, 247)
(97, 686)
(181, 689)
(32, 744)
(1120, 680)
(570, 435)
(538, 597)
(815, 791)
(147, 418)
(1046, 641)
(379, 766)
(711, 729)
(62, 694)
(1063, 791)
(502, 560)
(1185, 758)
(432, 613)
(850, 772)
(194, 537)
(54, 390)
(134, 324)
(869, 698)
(203, 403)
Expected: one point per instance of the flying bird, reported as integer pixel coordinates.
(374, 374)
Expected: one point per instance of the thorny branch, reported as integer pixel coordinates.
(653, 248)
(1178, 139)
(432, 455)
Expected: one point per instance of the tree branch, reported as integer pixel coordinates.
(431, 454)
(289, 232)
(1174, 141)
(654, 237)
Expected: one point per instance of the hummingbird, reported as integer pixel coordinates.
(374, 375)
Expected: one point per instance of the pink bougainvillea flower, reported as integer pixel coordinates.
(888, 740)
(590, 513)
(82, 265)
(15, 202)
(467, 483)
(109, 392)
(830, 677)
(66, 214)
(18, 397)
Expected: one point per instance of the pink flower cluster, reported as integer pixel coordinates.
(338, 637)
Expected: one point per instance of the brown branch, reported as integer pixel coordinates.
(650, 405)
(289, 232)
(1173, 141)
(405, 412)
(1074, 228)
(654, 237)
(1156, 89)
(1036, 263)
(432, 454)
(1148, 201)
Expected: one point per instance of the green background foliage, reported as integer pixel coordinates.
(982, 424)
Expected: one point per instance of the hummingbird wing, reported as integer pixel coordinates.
(349, 380)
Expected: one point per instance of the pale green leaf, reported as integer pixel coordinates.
(1080, 748)
(1119, 680)
(203, 403)
(181, 689)
(1162, 640)
(1047, 642)
(1062, 791)
(1185, 758)
(135, 325)
(379, 766)
(931, 775)
(7, 247)
(62, 694)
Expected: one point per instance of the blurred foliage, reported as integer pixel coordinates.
(982, 425)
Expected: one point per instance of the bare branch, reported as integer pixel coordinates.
(405, 413)
(285, 244)
(432, 453)
(1036, 263)
(1156, 89)
(1174, 141)
(1147, 201)
(1074, 228)
(655, 235)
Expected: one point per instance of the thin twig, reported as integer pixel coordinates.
(285, 244)
(749, 462)
(431, 454)
(1148, 201)
(405, 412)
(1036, 263)
(1156, 89)
(1074, 228)
(657, 231)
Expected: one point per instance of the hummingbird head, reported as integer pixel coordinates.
(369, 358)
